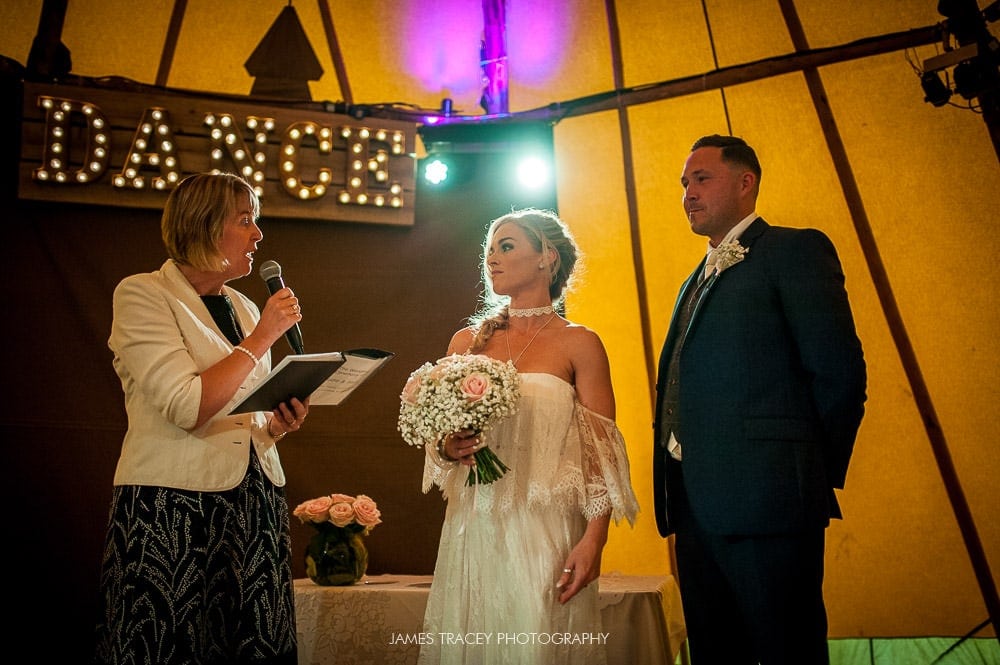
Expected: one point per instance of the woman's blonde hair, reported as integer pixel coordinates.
(545, 231)
(195, 215)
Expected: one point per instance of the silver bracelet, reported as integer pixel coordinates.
(443, 453)
(250, 354)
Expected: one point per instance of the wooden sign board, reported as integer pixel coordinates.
(129, 147)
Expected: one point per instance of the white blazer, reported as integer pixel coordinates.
(163, 337)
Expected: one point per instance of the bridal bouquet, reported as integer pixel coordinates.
(460, 392)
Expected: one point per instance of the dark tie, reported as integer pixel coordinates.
(710, 261)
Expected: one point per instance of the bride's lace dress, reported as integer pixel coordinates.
(503, 545)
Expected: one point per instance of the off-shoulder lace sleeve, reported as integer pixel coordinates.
(605, 468)
(436, 470)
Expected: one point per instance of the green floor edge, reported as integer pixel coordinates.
(911, 651)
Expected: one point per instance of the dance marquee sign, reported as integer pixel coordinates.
(88, 144)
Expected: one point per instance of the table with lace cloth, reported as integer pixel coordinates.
(380, 620)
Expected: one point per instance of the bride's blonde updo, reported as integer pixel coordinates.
(545, 231)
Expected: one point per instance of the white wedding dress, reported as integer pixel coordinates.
(503, 546)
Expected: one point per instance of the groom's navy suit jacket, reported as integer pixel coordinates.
(772, 385)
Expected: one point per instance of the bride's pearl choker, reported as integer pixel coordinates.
(533, 311)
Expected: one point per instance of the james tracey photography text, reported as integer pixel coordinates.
(499, 639)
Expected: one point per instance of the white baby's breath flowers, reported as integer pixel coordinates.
(455, 393)
(728, 254)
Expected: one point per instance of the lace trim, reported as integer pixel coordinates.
(598, 483)
(606, 466)
(532, 311)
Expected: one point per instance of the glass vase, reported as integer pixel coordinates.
(336, 556)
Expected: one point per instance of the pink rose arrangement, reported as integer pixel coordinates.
(336, 555)
(455, 393)
(358, 513)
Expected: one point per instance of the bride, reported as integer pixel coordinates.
(518, 560)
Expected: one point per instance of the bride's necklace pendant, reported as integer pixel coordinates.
(506, 336)
(531, 311)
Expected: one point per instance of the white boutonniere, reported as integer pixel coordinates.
(728, 254)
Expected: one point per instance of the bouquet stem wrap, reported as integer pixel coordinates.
(487, 469)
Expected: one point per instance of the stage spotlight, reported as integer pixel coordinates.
(510, 163)
(436, 171)
(971, 77)
(533, 172)
(935, 91)
(964, 19)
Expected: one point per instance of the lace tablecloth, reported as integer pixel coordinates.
(379, 621)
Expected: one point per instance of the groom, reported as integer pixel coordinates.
(760, 393)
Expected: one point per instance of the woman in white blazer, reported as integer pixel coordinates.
(197, 561)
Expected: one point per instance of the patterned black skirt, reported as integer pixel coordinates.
(199, 578)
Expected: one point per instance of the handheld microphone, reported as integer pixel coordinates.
(270, 272)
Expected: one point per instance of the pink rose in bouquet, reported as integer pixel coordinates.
(475, 386)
